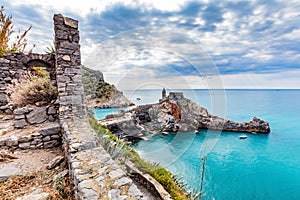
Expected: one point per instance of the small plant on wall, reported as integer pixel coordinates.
(32, 87)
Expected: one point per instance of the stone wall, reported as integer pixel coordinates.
(64, 122)
(32, 115)
(13, 65)
(94, 173)
(45, 137)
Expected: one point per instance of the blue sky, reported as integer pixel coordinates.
(177, 44)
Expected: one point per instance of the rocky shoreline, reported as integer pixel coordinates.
(117, 101)
(175, 113)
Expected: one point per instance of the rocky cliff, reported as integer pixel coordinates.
(175, 113)
(101, 94)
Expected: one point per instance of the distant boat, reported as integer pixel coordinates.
(243, 136)
(165, 132)
(196, 132)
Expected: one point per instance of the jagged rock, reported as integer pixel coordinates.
(176, 113)
(37, 116)
(117, 101)
(41, 196)
(54, 162)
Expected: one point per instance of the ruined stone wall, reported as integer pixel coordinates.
(94, 173)
(45, 137)
(13, 65)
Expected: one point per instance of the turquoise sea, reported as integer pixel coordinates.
(259, 167)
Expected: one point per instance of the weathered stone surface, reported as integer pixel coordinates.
(71, 22)
(41, 196)
(8, 117)
(116, 173)
(4, 107)
(54, 162)
(3, 100)
(6, 172)
(114, 194)
(122, 181)
(37, 116)
(25, 139)
(46, 139)
(12, 141)
(37, 191)
(51, 144)
(61, 175)
(19, 117)
(24, 145)
(89, 194)
(53, 129)
(134, 191)
(21, 111)
(52, 110)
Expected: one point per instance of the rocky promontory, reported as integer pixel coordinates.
(101, 94)
(175, 113)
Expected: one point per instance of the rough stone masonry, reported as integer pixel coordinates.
(94, 173)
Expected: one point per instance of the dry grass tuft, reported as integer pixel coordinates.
(6, 30)
(30, 89)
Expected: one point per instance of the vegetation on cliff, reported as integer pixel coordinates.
(100, 92)
(95, 86)
(118, 149)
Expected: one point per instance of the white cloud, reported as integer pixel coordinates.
(248, 40)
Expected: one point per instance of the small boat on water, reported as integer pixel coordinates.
(165, 132)
(243, 136)
(196, 132)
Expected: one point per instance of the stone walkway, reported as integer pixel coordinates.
(96, 175)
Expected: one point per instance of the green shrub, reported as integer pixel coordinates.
(160, 174)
